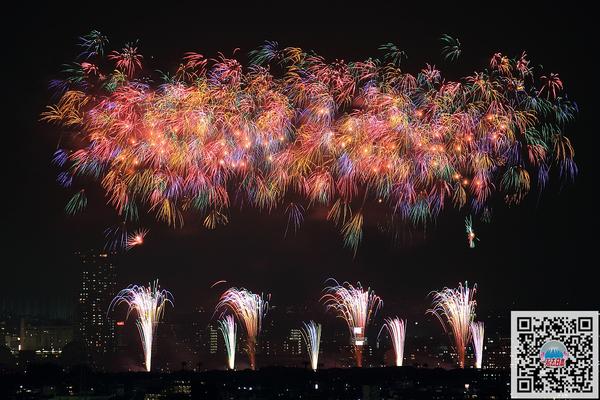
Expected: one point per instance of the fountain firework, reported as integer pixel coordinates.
(228, 328)
(149, 304)
(477, 334)
(396, 328)
(250, 309)
(356, 306)
(311, 333)
(455, 309)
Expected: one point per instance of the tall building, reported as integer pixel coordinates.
(98, 288)
(496, 353)
(213, 339)
(293, 343)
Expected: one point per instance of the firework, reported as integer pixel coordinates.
(471, 237)
(356, 306)
(77, 203)
(127, 60)
(93, 44)
(136, 238)
(451, 49)
(455, 309)
(295, 216)
(311, 333)
(396, 328)
(477, 335)
(393, 53)
(116, 237)
(228, 329)
(250, 309)
(149, 305)
(346, 136)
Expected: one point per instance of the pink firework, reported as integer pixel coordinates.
(136, 238)
(356, 306)
(455, 309)
(249, 309)
(367, 141)
(396, 328)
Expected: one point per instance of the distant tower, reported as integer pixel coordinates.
(98, 287)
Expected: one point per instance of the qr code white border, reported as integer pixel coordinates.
(513, 354)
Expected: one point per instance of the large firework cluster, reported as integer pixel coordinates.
(455, 309)
(293, 131)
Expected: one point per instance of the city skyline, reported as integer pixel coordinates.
(193, 338)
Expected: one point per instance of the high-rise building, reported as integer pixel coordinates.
(293, 343)
(496, 353)
(98, 288)
(213, 339)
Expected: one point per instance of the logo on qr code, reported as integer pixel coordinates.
(554, 354)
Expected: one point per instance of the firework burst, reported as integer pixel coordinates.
(478, 339)
(346, 136)
(451, 47)
(455, 309)
(471, 237)
(116, 237)
(396, 328)
(77, 203)
(149, 304)
(136, 238)
(228, 329)
(311, 333)
(250, 310)
(356, 306)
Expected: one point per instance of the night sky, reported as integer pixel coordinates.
(539, 255)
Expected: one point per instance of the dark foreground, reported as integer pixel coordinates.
(267, 383)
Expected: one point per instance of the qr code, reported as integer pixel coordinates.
(554, 354)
